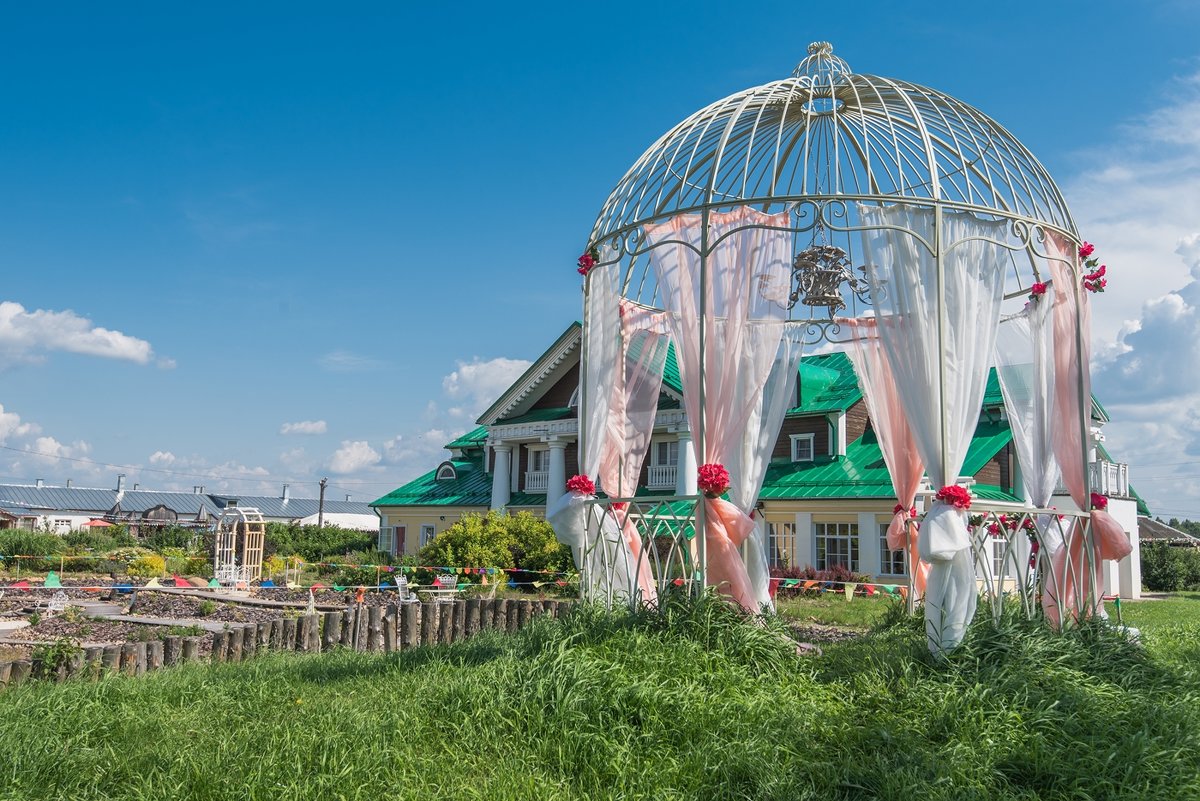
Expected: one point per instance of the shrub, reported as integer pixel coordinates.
(511, 542)
(169, 537)
(273, 565)
(838, 573)
(99, 540)
(19, 542)
(316, 543)
(207, 607)
(148, 566)
(1170, 568)
(50, 658)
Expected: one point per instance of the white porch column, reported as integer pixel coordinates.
(557, 480)
(685, 471)
(501, 476)
(806, 553)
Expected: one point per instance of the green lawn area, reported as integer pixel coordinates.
(832, 609)
(691, 704)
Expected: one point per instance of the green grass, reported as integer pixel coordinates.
(691, 704)
(832, 609)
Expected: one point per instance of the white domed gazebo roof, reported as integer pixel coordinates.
(827, 133)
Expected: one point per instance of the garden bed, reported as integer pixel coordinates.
(189, 607)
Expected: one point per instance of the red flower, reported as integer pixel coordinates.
(581, 484)
(712, 479)
(954, 495)
(1086, 249)
(898, 508)
(1037, 290)
(1099, 501)
(587, 261)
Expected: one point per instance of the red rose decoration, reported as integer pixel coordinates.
(955, 496)
(1037, 290)
(587, 261)
(898, 508)
(1086, 249)
(1099, 501)
(712, 479)
(581, 484)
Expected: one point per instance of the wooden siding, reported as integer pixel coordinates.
(856, 421)
(998, 471)
(816, 425)
(559, 395)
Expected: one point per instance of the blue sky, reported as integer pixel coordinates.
(360, 220)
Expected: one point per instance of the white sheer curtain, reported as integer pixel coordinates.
(939, 353)
(748, 462)
(745, 292)
(1025, 368)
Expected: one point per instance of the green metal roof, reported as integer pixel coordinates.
(473, 487)
(472, 439)
(861, 473)
(826, 383)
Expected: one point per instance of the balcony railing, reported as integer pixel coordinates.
(661, 476)
(1109, 478)
(1106, 478)
(537, 480)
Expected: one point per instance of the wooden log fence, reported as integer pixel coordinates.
(397, 627)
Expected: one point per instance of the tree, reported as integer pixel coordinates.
(520, 541)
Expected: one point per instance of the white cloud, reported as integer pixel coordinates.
(304, 427)
(48, 450)
(162, 458)
(353, 456)
(11, 426)
(25, 336)
(479, 383)
(343, 361)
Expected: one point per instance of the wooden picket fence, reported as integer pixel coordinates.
(396, 627)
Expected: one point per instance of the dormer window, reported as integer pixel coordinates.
(802, 447)
(446, 472)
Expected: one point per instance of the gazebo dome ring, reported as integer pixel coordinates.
(829, 134)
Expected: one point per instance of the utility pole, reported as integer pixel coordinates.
(321, 505)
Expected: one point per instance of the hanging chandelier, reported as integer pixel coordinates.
(818, 274)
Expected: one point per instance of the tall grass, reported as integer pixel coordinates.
(693, 703)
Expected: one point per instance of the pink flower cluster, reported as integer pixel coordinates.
(581, 484)
(587, 261)
(1037, 290)
(954, 495)
(1099, 501)
(1095, 280)
(712, 479)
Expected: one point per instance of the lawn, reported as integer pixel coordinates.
(691, 704)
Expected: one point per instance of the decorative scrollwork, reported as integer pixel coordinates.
(818, 274)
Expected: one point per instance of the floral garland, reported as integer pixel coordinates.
(1099, 502)
(1095, 280)
(954, 495)
(712, 479)
(581, 483)
(587, 261)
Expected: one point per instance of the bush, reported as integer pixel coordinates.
(148, 566)
(838, 573)
(316, 543)
(510, 542)
(160, 539)
(273, 565)
(1170, 568)
(99, 540)
(19, 542)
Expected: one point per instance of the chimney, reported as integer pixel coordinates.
(348, 497)
(68, 483)
(195, 489)
(137, 486)
(287, 493)
(39, 483)
(121, 484)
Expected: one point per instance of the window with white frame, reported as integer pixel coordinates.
(837, 544)
(891, 563)
(802, 447)
(62, 526)
(428, 532)
(781, 544)
(665, 453)
(539, 460)
(386, 543)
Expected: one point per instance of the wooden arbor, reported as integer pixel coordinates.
(238, 546)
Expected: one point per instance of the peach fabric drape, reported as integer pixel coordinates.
(746, 279)
(895, 437)
(1076, 583)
